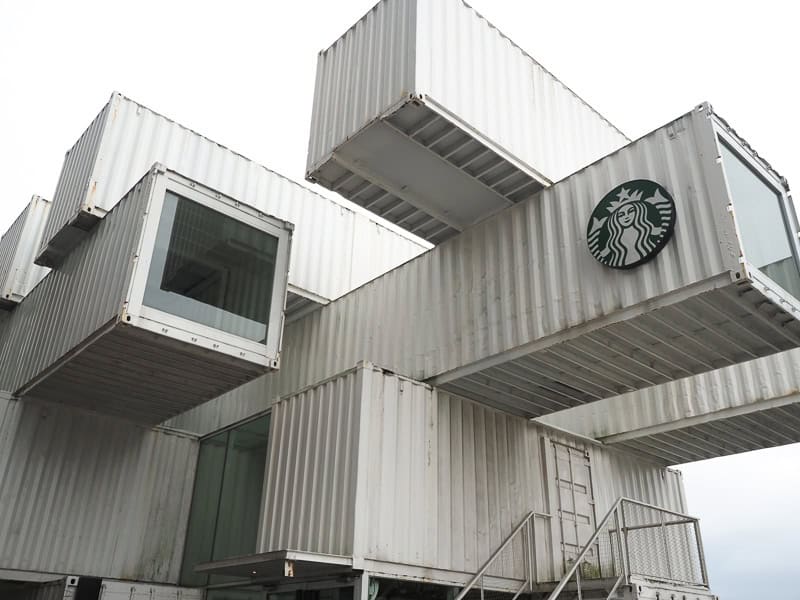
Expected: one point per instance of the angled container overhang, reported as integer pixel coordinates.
(747, 309)
(427, 115)
(175, 297)
(740, 408)
(127, 138)
(515, 312)
(18, 247)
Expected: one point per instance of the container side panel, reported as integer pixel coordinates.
(365, 72)
(80, 493)
(476, 73)
(322, 255)
(18, 247)
(135, 590)
(9, 245)
(76, 185)
(311, 472)
(747, 384)
(520, 276)
(447, 479)
(25, 275)
(622, 474)
(74, 301)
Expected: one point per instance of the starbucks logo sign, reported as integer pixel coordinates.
(631, 224)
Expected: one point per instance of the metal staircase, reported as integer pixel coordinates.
(638, 552)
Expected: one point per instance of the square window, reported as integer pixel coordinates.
(212, 269)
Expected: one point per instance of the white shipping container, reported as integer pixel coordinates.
(174, 298)
(516, 313)
(91, 495)
(126, 139)
(429, 116)
(18, 247)
(745, 407)
(398, 478)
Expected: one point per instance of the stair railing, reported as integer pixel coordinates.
(527, 530)
(645, 540)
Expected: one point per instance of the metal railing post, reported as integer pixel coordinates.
(701, 552)
(622, 562)
(578, 582)
(666, 547)
(625, 538)
(522, 529)
(535, 556)
(531, 550)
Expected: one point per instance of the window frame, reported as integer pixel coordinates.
(723, 137)
(138, 314)
(229, 429)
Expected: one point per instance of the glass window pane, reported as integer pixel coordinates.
(240, 504)
(226, 504)
(205, 505)
(759, 215)
(212, 269)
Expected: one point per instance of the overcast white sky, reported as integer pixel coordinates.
(243, 74)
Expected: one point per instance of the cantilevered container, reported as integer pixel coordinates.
(126, 139)
(741, 408)
(429, 116)
(516, 312)
(370, 471)
(175, 297)
(18, 247)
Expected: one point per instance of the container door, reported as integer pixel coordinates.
(574, 503)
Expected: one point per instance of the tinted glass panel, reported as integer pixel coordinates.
(759, 215)
(240, 506)
(205, 506)
(212, 269)
(226, 503)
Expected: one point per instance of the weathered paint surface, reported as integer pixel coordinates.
(384, 468)
(524, 277)
(444, 51)
(85, 494)
(18, 247)
(126, 139)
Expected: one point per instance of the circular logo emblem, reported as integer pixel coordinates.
(631, 224)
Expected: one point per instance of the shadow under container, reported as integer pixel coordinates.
(176, 297)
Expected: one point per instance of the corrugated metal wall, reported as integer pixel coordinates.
(18, 247)
(519, 276)
(9, 244)
(390, 469)
(85, 494)
(126, 590)
(324, 244)
(70, 304)
(475, 72)
(75, 183)
(447, 479)
(772, 377)
(312, 469)
(444, 50)
(523, 274)
(366, 71)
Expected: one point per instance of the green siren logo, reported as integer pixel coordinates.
(631, 224)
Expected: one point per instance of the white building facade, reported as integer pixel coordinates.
(216, 383)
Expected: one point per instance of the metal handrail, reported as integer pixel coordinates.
(577, 562)
(529, 518)
(617, 511)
